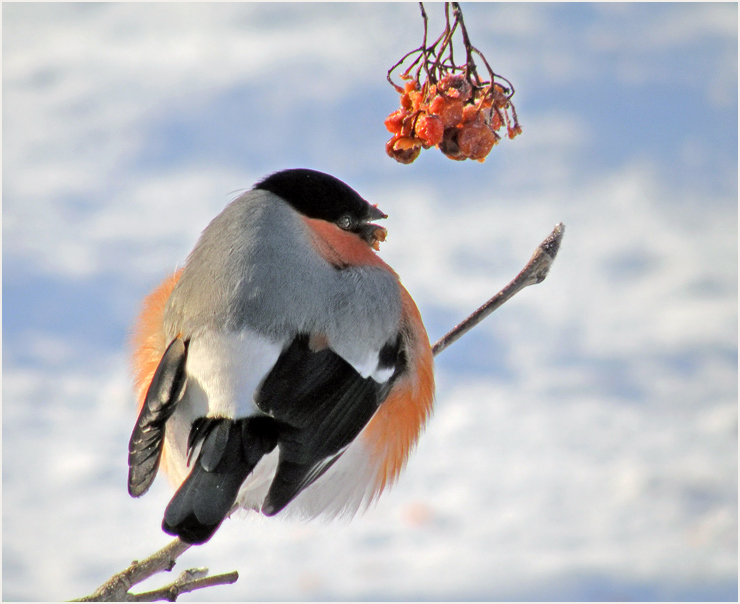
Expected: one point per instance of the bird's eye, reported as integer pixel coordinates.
(345, 222)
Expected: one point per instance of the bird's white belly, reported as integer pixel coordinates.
(225, 369)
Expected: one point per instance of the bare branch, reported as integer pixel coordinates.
(189, 580)
(534, 272)
(116, 589)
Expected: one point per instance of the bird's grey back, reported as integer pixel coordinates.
(254, 266)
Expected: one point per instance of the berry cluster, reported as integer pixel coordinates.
(454, 108)
(459, 118)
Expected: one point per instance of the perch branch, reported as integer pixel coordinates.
(116, 589)
(534, 272)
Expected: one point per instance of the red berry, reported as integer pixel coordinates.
(402, 149)
(394, 122)
(476, 140)
(455, 87)
(450, 110)
(430, 129)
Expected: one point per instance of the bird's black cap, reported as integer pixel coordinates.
(318, 195)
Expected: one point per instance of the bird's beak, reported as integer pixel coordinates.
(376, 214)
(373, 234)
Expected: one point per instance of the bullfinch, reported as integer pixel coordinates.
(284, 368)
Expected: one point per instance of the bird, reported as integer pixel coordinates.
(283, 368)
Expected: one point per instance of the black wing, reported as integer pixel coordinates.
(321, 403)
(147, 439)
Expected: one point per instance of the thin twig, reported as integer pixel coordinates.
(534, 272)
(116, 589)
(469, 63)
(189, 580)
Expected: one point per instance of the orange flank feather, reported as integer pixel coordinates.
(147, 338)
(340, 247)
(395, 428)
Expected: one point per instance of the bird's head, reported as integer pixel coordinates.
(324, 197)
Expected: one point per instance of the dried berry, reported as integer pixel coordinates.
(394, 122)
(402, 154)
(449, 145)
(430, 129)
(455, 86)
(402, 143)
(476, 140)
(450, 110)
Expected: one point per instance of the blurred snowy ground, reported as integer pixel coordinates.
(585, 439)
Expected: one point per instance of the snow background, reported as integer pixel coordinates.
(584, 444)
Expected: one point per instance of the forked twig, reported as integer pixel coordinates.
(116, 589)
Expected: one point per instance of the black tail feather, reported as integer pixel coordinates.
(229, 452)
